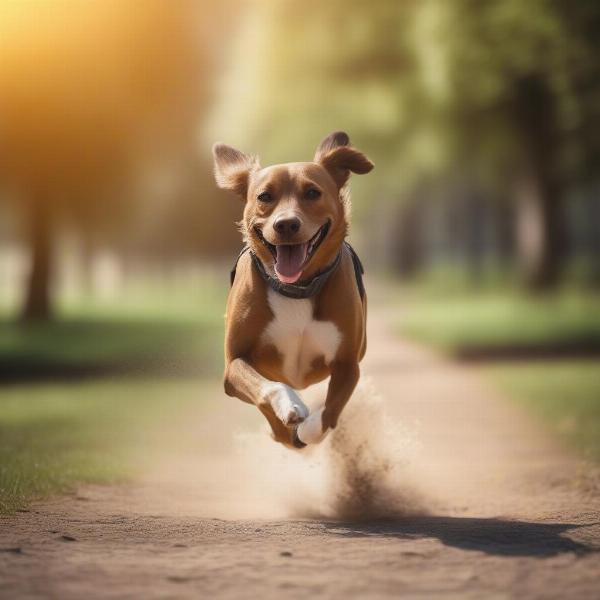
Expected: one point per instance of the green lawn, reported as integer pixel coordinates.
(82, 398)
(463, 324)
(522, 330)
(55, 435)
(148, 332)
(565, 394)
(83, 346)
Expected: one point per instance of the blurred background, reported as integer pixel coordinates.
(480, 224)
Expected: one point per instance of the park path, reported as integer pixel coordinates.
(433, 487)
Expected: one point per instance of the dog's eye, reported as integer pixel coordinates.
(265, 197)
(312, 193)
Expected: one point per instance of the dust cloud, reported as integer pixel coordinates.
(360, 471)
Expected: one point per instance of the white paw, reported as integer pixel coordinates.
(288, 406)
(311, 431)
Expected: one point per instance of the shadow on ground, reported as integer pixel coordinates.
(492, 536)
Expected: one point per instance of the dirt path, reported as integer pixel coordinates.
(478, 503)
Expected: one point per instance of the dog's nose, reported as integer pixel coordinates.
(287, 226)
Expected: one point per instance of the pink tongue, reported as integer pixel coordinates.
(289, 262)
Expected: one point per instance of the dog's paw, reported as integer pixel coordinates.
(286, 404)
(312, 430)
(296, 441)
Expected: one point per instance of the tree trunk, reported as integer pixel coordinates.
(541, 231)
(87, 254)
(37, 302)
(409, 243)
(504, 220)
(593, 222)
(474, 219)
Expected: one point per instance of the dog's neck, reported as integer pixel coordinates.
(294, 290)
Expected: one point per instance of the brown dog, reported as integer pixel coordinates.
(296, 313)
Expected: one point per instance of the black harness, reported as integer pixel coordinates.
(314, 286)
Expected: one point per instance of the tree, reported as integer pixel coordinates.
(503, 92)
(92, 95)
(520, 83)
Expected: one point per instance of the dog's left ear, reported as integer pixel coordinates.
(339, 158)
(233, 168)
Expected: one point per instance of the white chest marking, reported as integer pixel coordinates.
(298, 337)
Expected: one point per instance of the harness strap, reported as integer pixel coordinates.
(291, 290)
(359, 270)
(235, 264)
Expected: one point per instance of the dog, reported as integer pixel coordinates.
(296, 311)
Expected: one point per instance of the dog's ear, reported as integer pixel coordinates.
(339, 158)
(233, 168)
(331, 142)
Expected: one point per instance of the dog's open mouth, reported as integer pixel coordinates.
(290, 259)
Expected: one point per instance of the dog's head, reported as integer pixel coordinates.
(295, 217)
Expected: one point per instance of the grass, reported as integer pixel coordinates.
(53, 436)
(146, 333)
(83, 346)
(462, 323)
(523, 331)
(564, 394)
(57, 428)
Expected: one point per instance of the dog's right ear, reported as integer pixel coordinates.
(331, 142)
(340, 159)
(233, 168)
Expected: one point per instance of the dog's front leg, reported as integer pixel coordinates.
(344, 377)
(280, 404)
